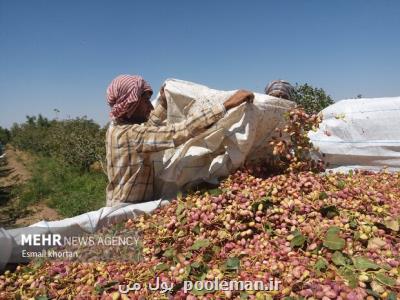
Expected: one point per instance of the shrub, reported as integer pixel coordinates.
(312, 99)
(76, 142)
(31, 135)
(4, 135)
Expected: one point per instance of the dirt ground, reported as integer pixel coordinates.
(14, 170)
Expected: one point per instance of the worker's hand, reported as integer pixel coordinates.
(163, 99)
(238, 98)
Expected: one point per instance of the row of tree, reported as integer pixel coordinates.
(76, 142)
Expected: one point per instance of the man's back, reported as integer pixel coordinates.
(130, 173)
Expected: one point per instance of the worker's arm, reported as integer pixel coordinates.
(146, 138)
(157, 115)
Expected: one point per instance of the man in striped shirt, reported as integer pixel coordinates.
(137, 130)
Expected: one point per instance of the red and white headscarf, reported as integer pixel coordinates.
(124, 95)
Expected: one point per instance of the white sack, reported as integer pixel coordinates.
(242, 134)
(360, 133)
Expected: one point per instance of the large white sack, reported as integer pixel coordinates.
(360, 133)
(242, 134)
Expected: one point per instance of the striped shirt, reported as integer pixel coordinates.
(129, 148)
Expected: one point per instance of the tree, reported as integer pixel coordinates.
(4, 135)
(76, 142)
(312, 99)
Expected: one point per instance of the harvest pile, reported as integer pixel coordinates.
(324, 236)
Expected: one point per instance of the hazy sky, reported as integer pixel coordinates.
(63, 54)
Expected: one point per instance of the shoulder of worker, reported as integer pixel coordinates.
(117, 130)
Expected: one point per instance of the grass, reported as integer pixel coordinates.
(68, 190)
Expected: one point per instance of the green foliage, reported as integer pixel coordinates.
(61, 174)
(339, 259)
(65, 188)
(38, 187)
(232, 264)
(31, 135)
(199, 244)
(75, 142)
(4, 135)
(312, 99)
(364, 264)
(321, 265)
(386, 280)
(332, 239)
(298, 240)
(78, 142)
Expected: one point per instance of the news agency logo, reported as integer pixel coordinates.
(105, 245)
(52, 240)
(56, 240)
